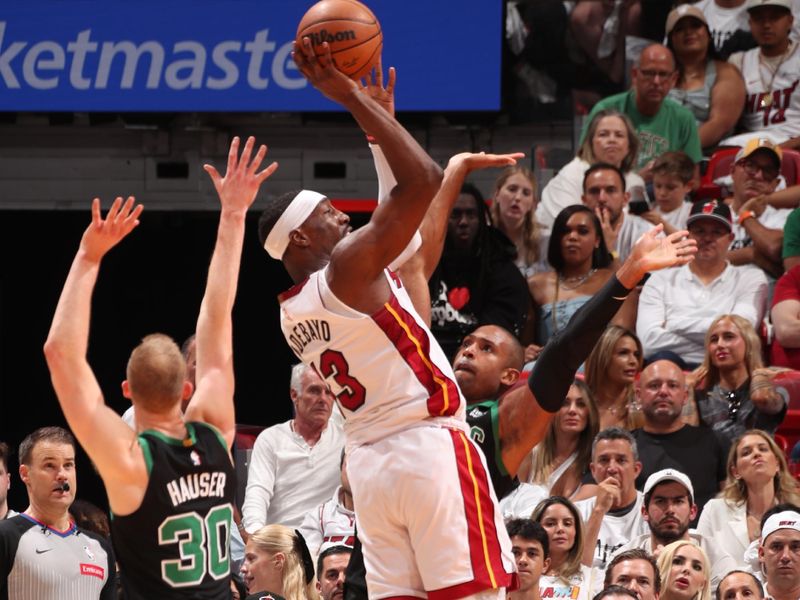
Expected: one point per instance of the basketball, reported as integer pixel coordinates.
(351, 30)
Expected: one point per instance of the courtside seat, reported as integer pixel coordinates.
(719, 165)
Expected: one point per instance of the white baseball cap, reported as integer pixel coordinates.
(669, 475)
(788, 519)
(787, 4)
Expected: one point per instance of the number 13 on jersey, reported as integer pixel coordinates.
(333, 365)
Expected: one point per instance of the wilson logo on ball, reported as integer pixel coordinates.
(321, 36)
(351, 31)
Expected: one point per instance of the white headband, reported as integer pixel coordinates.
(788, 519)
(295, 214)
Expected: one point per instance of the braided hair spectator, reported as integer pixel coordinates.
(476, 281)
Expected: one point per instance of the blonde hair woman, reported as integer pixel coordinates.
(734, 391)
(513, 204)
(611, 371)
(758, 479)
(685, 572)
(610, 138)
(277, 561)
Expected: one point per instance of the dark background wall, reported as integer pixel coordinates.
(153, 281)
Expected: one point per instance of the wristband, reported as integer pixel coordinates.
(746, 215)
(371, 140)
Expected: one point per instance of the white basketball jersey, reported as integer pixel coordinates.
(775, 107)
(386, 370)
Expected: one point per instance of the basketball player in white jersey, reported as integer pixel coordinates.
(772, 75)
(427, 516)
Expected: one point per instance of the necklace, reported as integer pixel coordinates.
(767, 100)
(578, 280)
(613, 408)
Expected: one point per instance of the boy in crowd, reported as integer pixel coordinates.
(673, 173)
(531, 549)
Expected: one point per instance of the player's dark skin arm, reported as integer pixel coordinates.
(355, 274)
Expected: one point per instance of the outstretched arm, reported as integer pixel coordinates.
(363, 255)
(102, 433)
(524, 411)
(416, 272)
(213, 399)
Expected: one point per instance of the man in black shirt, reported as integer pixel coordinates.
(665, 442)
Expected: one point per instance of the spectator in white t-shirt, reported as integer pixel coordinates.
(294, 466)
(725, 18)
(614, 516)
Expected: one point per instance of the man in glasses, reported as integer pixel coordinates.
(677, 306)
(758, 227)
(661, 124)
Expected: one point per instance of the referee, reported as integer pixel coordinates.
(43, 554)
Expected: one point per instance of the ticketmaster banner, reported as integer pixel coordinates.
(231, 55)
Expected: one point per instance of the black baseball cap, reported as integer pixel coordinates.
(711, 209)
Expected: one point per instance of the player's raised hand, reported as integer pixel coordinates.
(654, 251)
(318, 67)
(237, 190)
(473, 161)
(103, 234)
(372, 86)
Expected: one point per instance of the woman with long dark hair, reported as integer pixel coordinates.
(580, 261)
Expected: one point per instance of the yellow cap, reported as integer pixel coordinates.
(757, 143)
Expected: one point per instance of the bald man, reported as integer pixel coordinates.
(665, 442)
